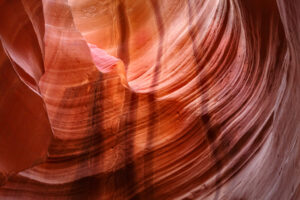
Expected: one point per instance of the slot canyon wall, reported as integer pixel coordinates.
(150, 99)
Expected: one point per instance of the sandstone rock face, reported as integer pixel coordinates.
(149, 99)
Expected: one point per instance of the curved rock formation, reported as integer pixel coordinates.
(135, 99)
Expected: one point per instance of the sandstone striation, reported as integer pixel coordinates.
(149, 99)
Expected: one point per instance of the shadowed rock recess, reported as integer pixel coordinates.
(150, 99)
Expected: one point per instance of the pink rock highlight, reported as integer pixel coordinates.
(102, 60)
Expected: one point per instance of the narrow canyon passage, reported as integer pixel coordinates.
(150, 99)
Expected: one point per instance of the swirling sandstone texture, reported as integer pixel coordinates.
(150, 99)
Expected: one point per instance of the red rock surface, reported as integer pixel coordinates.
(135, 99)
